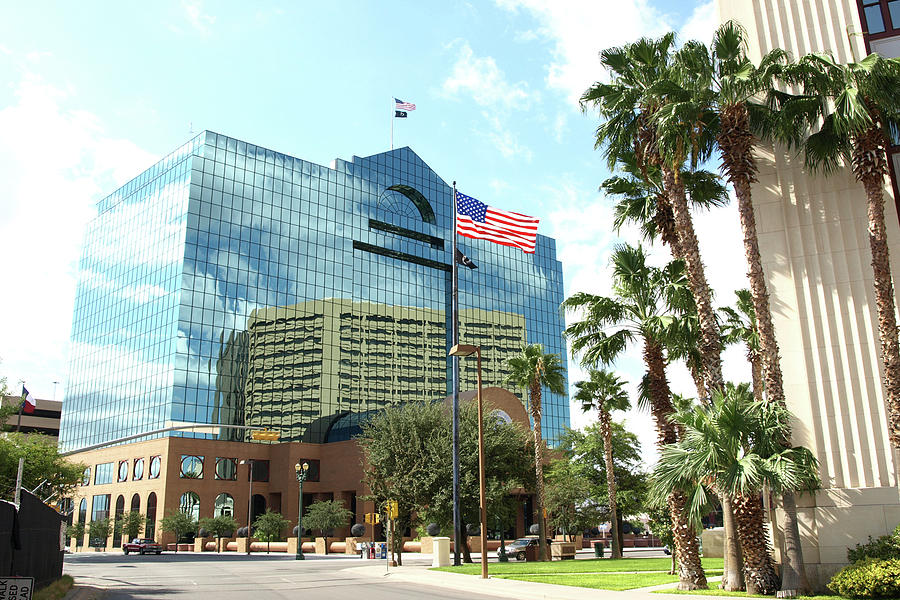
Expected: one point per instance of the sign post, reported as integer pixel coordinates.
(16, 588)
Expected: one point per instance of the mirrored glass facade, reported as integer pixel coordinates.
(233, 284)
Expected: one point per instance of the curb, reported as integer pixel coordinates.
(79, 592)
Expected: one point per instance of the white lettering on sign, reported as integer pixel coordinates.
(16, 588)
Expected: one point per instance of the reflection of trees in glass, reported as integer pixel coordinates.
(224, 505)
(191, 466)
(190, 504)
(226, 468)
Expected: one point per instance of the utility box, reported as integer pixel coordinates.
(440, 552)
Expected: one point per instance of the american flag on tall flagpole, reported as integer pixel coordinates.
(401, 105)
(475, 219)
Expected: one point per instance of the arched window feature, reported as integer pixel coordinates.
(138, 469)
(86, 476)
(224, 505)
(123, 471)
(117, 521)
(150, 527)
(407, 201)
(82, 511)
(136, 503)
(190, 505)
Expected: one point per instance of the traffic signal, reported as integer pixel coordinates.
(372, 518)
(392, 509)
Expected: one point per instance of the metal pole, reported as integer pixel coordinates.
(21, 406)
(301, 476)
(19, 480)
(481, 484)
(393, 105)
(454, 324)
(249, 504)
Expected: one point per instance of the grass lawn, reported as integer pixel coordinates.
(718, 592)
(55, 590)
(594, 565)
(604, 581)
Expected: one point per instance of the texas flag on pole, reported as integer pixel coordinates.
(28, 402)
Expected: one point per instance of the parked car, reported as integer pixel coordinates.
(516, 548)
(142, 546)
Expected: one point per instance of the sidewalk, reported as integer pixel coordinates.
(507, 588)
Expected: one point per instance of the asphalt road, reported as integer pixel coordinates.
(230, 576)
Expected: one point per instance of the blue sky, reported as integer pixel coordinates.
(95, 92)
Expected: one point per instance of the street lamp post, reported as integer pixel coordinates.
(302, 471)
(467, 350)
(249, 463)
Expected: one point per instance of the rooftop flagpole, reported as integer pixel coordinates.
(393, 101)
(454, 317)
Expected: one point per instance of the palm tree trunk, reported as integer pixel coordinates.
(606, 432)
(690, 570)
(873, 182)
(756, 374)
(736, 143)
(732, 575)
(759, 569)
(710, 348)
(539, 468)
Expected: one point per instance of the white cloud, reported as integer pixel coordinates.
(55, 164)
(480, 79)
(196, 18)
(701, 24)
(580, 29)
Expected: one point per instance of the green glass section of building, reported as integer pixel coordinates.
(233, 284)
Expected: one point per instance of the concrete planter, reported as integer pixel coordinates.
(562, 550)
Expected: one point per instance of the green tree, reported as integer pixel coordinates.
(569, 503)
(734, 445)
(660, 523)
(43, 464)
(534, 369)
(178, 523)
(325, 516)
(221, 526)
(645, 307)
(76, 532)
(99, 532)
(587, 449)
(131, 524)
(605, 392)
(268, 527)
(739, 327)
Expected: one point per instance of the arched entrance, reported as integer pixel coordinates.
(117, 521)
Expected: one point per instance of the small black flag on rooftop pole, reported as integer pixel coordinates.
(399, 114)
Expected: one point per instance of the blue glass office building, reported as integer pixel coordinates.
(233, 284)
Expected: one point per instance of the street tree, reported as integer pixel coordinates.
(132, 524)
(570, 505)
(219, 527)
(269, 526)
(326, 515)
(44, 467)
(76, 532)
(178, 523)
(98, 532)
(533, 369)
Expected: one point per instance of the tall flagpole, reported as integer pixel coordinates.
(454, 316)
(22, 397)
(392, 124)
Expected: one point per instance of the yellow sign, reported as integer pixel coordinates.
(265, 435)
(372, 518)
(392, 509)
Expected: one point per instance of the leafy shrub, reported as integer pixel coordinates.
(883, 547)
(870, 578)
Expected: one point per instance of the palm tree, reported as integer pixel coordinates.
(644, 308)
(532, 369)
(735, 445)
(629, 106)
(859, 110)
(717, 90)
(739, 326)
(605, 392)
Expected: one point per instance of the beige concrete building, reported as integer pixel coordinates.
(44, 419)
(813, 239)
